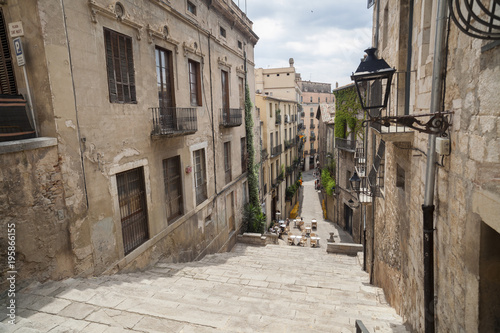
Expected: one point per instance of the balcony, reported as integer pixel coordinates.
(290, 143)
(174, 121)
(231, 117)
(313, 151)
(263, 154)
(312, 126)
(301, 126)
(345, 144)
(302, 114)
(312, 138)
(289, 170)
(278, 119)
(306, 152)
(276, 151)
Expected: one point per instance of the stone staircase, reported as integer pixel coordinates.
(250, 289)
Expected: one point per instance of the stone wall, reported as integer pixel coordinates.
(32, 198)
(466, 193)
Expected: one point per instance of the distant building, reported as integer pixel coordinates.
(135, 111)
(313, 95)
(277, 101)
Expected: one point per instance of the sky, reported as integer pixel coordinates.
(326, 38)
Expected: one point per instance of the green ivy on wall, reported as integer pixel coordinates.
(347, 106)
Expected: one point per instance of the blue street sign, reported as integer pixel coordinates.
(18, 48)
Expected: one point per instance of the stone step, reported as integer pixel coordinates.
(271, 288)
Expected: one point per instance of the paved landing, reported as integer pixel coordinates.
(251, 289)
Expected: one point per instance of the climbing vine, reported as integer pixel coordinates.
(347, 107)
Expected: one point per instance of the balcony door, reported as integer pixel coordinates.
(225, 96)
(165, 84)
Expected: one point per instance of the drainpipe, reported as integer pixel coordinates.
(408, 59)
(212, 108)
(428, 206)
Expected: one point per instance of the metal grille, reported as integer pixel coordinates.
(231, 117)
(173, 187)
(174, 121)
(199, 176)
(133, 211)
(227, 162)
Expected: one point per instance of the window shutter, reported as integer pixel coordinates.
(7, 79)
(109, 67)
(131, 74)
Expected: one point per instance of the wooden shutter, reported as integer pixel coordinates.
(7, 79)
(110, 67)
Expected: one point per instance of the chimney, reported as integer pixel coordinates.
(291, 62)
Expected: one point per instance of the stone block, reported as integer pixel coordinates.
(344, 248)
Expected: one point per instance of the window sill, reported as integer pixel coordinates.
(28, 144)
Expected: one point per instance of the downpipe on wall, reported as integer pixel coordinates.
(428, 206)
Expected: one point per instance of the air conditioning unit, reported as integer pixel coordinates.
(258, 91)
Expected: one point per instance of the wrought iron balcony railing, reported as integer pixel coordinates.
(345, 144)
(290, 143)
(173, 121)
(312, 126)
(276, 151)
(312, 138)
(278, 119)
(231, 117)
(313, 151)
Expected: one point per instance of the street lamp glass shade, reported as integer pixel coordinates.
(373, 80)
(355, 182)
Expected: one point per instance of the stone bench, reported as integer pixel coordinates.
(351, 249)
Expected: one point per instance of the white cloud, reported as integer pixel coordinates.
(325, 38)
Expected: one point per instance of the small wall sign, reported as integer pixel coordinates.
(16, 29)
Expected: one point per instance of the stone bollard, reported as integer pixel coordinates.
(331, 240)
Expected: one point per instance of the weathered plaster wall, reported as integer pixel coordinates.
(32, 198)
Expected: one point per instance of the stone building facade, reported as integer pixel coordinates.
(313, 95)
(139, 147)
(279, 167)
(466, 193)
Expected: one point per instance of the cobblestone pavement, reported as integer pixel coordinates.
(310, 208)
(250, 289)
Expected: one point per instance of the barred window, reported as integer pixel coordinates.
(200, 182)
(173, 187)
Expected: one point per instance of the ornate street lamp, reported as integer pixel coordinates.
(355, 182)
(373, 80)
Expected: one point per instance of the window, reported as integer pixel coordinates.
(241, 83)
(227, 161)
(200, 182)
(312, 146)
(318, 99)
(347, 183)
(165, 78)
(311, 99)
(230, 211)
(173, 187)
(133, 210)
(222, 32)
(243, 143)
(225, 90)
(191, 7)
(240, 45)
(400, 177)
(8, 82)
(120, 67)
(194, 83)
